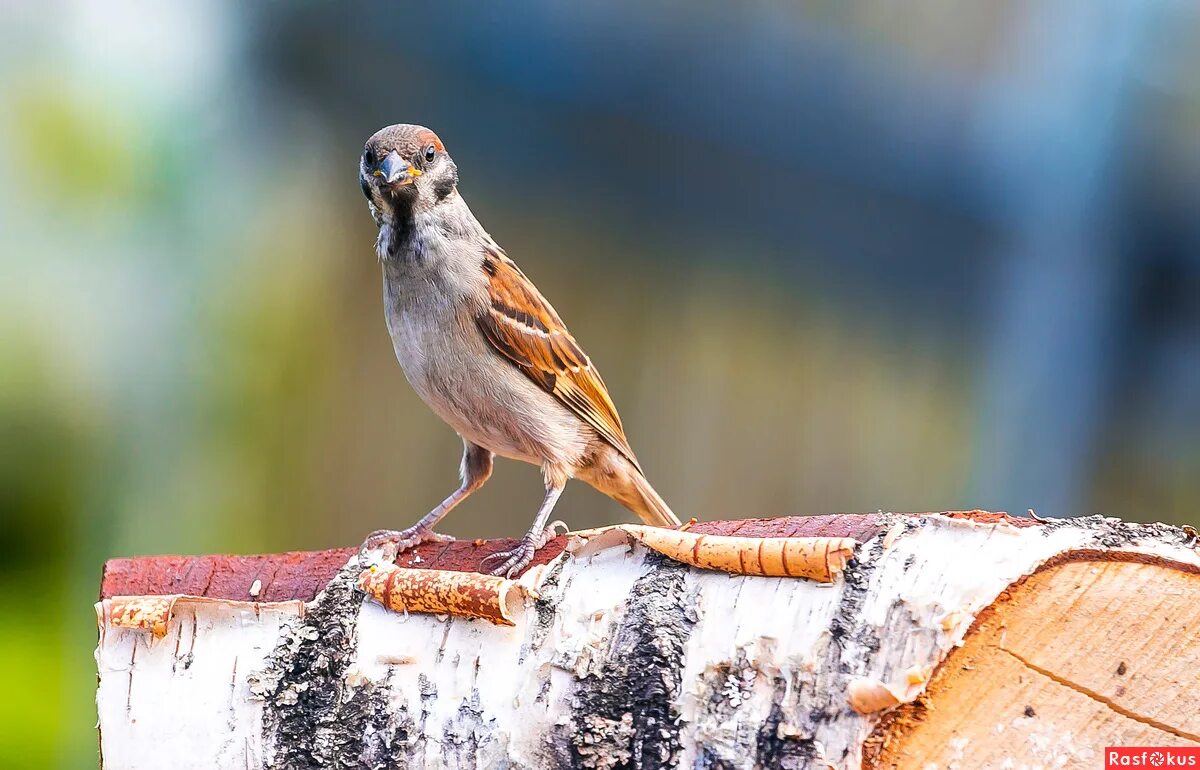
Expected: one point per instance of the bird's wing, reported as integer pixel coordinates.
(520, 324)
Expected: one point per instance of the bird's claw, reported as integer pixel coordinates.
(513, 561)
(550, 533)
(394, 542)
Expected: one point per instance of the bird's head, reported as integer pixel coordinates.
(405, 168)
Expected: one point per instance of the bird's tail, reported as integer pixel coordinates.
(616, 476)
(641, 498)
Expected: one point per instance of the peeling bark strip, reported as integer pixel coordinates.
(442, 592)
(1033, 643)
(815, 558)
(154, 613)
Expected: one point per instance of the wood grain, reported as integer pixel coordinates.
(1081, 655)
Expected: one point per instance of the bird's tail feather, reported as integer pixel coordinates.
(641, 498)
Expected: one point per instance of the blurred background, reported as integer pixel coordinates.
(829, 257)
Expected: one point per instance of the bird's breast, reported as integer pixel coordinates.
(476, 391)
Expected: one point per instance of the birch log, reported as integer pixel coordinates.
(968, 640)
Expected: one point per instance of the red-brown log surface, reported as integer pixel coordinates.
(302, 574)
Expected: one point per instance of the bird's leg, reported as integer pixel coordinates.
(476, 468)
(508, 563)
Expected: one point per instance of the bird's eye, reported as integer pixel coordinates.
(430, 153)
(369, 157)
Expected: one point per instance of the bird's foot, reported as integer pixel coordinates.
(509, 563)
(394, 542)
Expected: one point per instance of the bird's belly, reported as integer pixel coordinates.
(481, 395)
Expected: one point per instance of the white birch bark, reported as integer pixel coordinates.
(627, 659)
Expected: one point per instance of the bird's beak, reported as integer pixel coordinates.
(396, 170)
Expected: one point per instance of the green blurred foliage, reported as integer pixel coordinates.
(74, 152)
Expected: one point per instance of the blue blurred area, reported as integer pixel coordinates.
(828, 256)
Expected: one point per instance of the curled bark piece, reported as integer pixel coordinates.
(816, 558)
(154, 613)
(144, 613)
(443, 592)
(866, 696)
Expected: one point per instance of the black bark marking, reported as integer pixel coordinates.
(465, 738)
(775, 742)
(626, 717)
(309, 720)
(387, 731)
(429, 695)
(775, 748)
(829, 681)
(723, 690)
(1111, 533)
(546, 606)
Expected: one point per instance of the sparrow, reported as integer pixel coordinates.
(485, 350)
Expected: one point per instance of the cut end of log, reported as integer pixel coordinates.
(1092, 650)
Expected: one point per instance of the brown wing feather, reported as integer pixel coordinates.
(523, 327)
